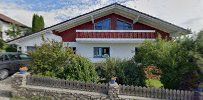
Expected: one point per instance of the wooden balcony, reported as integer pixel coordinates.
(133, 34)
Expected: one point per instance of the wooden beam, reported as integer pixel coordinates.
(136, 20)
(55, 32)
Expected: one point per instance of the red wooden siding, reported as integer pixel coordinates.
(71, 34)
(140, 26)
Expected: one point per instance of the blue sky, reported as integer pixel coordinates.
(48, 5)
(185, 13)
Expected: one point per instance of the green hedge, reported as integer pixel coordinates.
(53, 60)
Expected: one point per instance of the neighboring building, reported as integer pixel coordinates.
(5, 23)
(114, 31)
(28, 43)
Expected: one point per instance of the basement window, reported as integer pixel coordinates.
(101, 52)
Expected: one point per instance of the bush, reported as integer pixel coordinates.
(127, 71)
(2, 43)
(174, 60)
(11, 48)
(52, 60)
(200, 42)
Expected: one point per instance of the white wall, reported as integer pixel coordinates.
(117, 50)
(35, 39)
(5, 27)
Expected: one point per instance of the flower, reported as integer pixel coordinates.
(152, 72)
(113, 78)
(23, 68)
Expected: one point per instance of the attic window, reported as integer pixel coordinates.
(103, 25)
(122, 25)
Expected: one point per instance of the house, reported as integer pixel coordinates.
(29, 42)
(5, 23)
(112, 31)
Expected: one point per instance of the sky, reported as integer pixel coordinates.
(185, 13)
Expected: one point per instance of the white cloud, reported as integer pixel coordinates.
(185, 13)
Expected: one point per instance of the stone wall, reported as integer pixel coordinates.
(28, 86)
(22, 89)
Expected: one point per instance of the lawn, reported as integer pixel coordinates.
(154, 83)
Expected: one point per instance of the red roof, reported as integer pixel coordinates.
(9, 20)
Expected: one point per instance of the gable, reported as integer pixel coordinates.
(132, 14)
(129, 13)
(69, 35)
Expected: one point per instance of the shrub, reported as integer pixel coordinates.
(52, 60)
(200, 42)
(11, 48)
(2, 43)
(127, 71)
(174, 60)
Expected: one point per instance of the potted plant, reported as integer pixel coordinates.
(23, 69)
(113, 80)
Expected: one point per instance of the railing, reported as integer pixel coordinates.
(65, 84)
(116, 34)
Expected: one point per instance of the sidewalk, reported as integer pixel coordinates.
(5, 89)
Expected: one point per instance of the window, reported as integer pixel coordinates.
(1, 58)
(31, 48)
(19, 49)
(74, 49)
(24, 57)
(13, 56)
(101, 52)
(6, 58)
(121, 25)
(136, 50)
(103, 25)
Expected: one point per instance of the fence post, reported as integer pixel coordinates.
(18, 80)
(113, 90)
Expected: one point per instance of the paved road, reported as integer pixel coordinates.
(5, 89)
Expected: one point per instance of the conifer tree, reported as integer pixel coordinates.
(37, 23)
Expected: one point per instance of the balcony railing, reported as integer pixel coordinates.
(116, 34)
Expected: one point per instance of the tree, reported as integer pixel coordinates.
(200, 42)
(11, 48)
(41, 22)
(37, 23)
(2, 43)
(14, 31)
(1, 31)
(53, 60)
(174, 59)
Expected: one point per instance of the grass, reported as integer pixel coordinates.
(154, 83)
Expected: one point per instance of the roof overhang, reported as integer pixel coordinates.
(126, 12)
(116, 8)
(23, 38)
